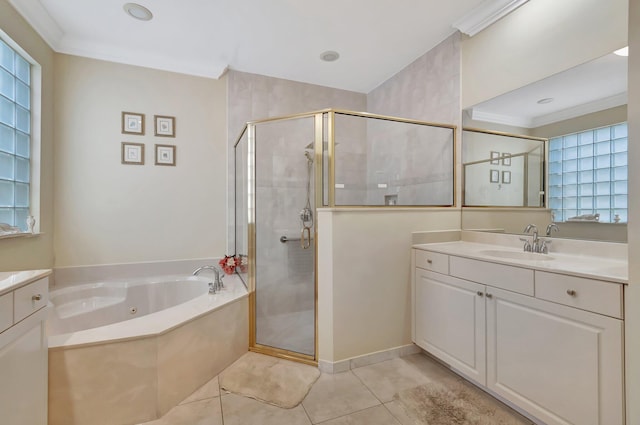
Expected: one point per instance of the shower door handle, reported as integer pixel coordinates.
(305, 237)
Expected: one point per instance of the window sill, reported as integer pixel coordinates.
(19, 235)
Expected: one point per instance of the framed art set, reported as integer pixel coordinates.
(133, 153)
(496, 159)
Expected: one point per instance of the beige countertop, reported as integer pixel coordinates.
(588, 266)
(10, 281)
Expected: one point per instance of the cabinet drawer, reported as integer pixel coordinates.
(514, 279)
(433, 261)
(30, 298)
(587, 294)
(6, 311)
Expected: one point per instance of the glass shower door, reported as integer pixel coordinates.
(284, 236)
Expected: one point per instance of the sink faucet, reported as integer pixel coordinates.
(550, 227)
(217, 285)
(537, 244)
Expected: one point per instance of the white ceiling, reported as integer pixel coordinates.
(594, 86)
(279, 38)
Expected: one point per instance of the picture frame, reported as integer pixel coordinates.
(495, 158)
(132, 123)
(165, 155)
(506, 159)
(506, 177)
(132, 153)
(165, 126)
(494, 176)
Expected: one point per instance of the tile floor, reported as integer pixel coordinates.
(360, 396)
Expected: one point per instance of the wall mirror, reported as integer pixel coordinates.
(577, 118)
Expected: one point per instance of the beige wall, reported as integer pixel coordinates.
(539, 39)
(107, 212)
(36, 252)
(364, 289)
(632, 291)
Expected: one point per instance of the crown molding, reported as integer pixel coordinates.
(553, 117)
(38, 17)
(477, 115)
(488, 12)
(577, 111)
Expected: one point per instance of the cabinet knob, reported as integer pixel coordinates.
(429, 261)
(489, 295)
(480, 293)
(571, 292)
(36, 297)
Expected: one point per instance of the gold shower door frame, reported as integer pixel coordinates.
(319, 158)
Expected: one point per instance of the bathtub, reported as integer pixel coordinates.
(127, 351)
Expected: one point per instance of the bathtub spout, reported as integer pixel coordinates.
(217, 285)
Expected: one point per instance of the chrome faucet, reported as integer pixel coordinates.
(217, 285)
(537, 244)
(550, 227)
(533, 245)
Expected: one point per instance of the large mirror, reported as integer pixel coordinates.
(582, 114)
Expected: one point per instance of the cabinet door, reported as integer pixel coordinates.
(23, 373)
(561, 364)
(450, 321)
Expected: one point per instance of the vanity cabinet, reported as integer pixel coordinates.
(24, 354)
(557, 356)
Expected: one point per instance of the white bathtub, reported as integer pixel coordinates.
(125, 352)
(92, 305)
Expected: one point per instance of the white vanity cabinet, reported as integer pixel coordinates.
(24, 354)
(550, 344)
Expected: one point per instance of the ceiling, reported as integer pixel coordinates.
(593, 86)
(279, 38)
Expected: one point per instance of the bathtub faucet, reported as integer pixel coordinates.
(217, 285)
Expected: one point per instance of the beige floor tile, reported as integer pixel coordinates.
(387, 378)
(239, 410)
(205, 412)
(209, 390)
(377, 415)
(337, 395)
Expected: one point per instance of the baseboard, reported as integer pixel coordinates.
(367, 359)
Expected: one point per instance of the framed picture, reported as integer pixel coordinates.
(495, 158)
(506, 177)
(165, 155)
(494, 176)
(132, 123)
(506, 158)
(165, 126)
(132, 153)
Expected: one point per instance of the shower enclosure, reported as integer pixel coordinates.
(286, 168)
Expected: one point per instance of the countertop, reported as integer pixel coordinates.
(576, 265)
(10, 281)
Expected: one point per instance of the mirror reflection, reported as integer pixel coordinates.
(582, 113)
(502, 169)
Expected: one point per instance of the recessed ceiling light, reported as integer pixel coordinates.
(139, 12)
(622, 52)
(329, 56)
(545, 100)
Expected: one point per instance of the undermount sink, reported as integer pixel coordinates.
(517, 255)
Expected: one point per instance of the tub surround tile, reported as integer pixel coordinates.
(189, 356)
(337, 395)
(103, 385)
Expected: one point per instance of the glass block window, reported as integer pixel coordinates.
(15, 137)
(588, 174)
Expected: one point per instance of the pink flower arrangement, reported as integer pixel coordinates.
(229, 264)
